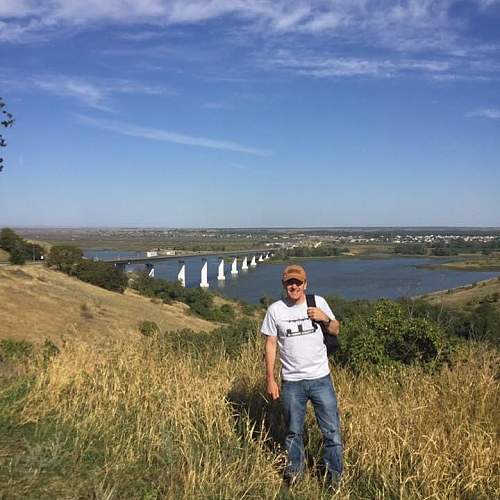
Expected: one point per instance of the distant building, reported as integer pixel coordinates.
(158, 252)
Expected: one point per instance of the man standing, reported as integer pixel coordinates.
(293, 327)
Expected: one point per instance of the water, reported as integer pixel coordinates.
(350, 278)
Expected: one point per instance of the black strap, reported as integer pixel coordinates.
(331, 341)
(311, 300)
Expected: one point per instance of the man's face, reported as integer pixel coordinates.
(295, 289)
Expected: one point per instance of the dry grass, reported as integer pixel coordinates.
(459, 297)
(38, 303)
(4, 256)
(475, 263)
(145, 419)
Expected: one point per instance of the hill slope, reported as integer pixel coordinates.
(4, 256)
(38, 303)
(470, 295)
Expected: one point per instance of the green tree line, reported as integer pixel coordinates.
(320, 251)
(453, 247)
(18, 248)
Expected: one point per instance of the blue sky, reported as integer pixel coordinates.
(200, 113)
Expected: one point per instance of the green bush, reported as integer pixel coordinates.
(249, 309)
(148, 328)
(64, 258)
(222, 314)
(390, 335)
(320, 251)
(225, 341)
(19, 249)
(480, 320)
(17, 256)
(101, 274)
(167, 291)
(199, 301)
(8, 239)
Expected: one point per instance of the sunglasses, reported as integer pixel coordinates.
(293, 281)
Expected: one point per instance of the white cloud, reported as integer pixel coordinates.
(369, 16)
(410, 28)
(92, 92)
(336, 66)
(491, 113)
(169, 136)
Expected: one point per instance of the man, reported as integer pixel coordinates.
(293, 327)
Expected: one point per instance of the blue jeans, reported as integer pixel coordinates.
(294, 398)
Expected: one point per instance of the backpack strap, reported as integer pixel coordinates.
(311, 300)
(331, 341)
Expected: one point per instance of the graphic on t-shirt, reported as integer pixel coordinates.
(299, 327)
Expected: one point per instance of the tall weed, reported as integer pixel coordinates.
(185, 417)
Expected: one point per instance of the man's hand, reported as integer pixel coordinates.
(316, 314)
(273, 389)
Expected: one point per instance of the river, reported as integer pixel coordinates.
(350, 278)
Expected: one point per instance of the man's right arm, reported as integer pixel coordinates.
(271, 384)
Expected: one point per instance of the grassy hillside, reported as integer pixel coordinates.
(4, 256)
(472, 262)
(468, 296)
(39, 303)
(183, 414)
(166, 417)
(483, 263)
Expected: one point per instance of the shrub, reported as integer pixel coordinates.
(148, 328)
(479, 321)
(9, 239)
(101, 274)
(17, 256)
(199, 301)
(226, 341)
(64, 258)
(158, 288)
(390, 335)
(19, 249)
(222, 314)
(249, 309)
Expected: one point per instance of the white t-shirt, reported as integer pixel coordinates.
(302, 350)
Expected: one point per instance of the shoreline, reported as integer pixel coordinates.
(455, 289)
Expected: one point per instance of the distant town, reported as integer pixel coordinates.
(170, 240)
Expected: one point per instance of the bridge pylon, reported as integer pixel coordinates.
(220, 274)
(204, 275)
(234, 266)
(181, 276)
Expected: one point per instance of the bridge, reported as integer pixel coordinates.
(256, 256)
(145, 260)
